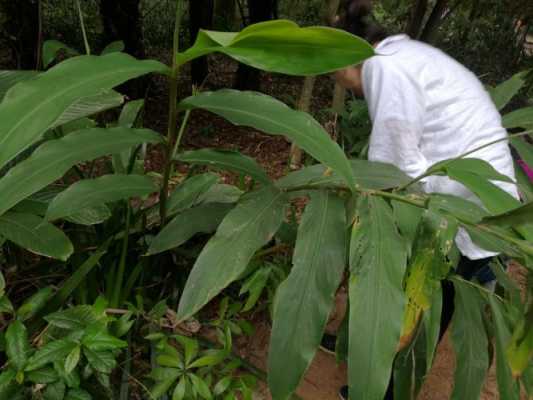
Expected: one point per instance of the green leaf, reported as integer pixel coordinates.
(457, 206)
(504, 92)
(17, 345)
(51, 160)
(56, 350)
(87, 106)
(93, 192)
(8, 79)
(204, 218)
(246, 228)
(101, 361)
(188, 192)
(72, 359)
(377, 265)
(522, 118)
(304, 301)
(518, 216)
(190, 346)
(32, 106)
(113, 47)
(78, 394)
(271, 116)
(162, 386)
(74, 318)
(5, 305)
(469, 341)
(52, 47)
(221, 386)
(282, 46)
(200, 386)
(36, 235)
(509, 388)
(524, 149)
(42, 375)
(91, 215)
(7, 383)
(367, 175)
(220, 193)
(226, 160)
(34, 304)
(179, 390)
(96, 338)
(55, 391)
(254, 285)
(473, 166)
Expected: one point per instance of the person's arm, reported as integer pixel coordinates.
(396, 105)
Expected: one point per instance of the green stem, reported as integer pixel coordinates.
(180, 134)
(432, 171)
(122, 263)
(172, 114)
(84, 33)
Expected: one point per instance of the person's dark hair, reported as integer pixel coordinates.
(356, 17)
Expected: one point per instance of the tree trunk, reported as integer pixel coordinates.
(201, 17)
(434, 21)
(304, 104)
(248, 78)
(122, 21)
(22, 31)
(417, 18)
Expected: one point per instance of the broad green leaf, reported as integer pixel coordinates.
(518, 216)
(101, 361)
(73, 318)
(304, 301)
(51, 160)
(8, 79)
(464, 209)
(93, 192)
(271, 116)
(474, 166)
(97, 338)
(179, 390)
(524, 149)
(226, 160)
(52, 47)
(32, 106)
(190, 347)
(509, 388)
(247, 228)
(54, 391)
(34, 304)
(72, 359)
(91, 215)
(404, 366)
(72, 379)
(428, 266)
(220, 193)
(519, 351)
(282, 46)
(204, 218)
(469, 341)
(254, 286)
(522, 118)
(5, 305)
(188, 192)
(504, 92)
(36, 235)
(367, 175)
(200, 386)
(113, 47)
(43, 375)
(488, 241)
(214, 358)
(78, 394)
(377, 266)
(407, 219)
(87, 106)
(17, 345)
(130, 113)
(7, 383)
(163, 385)
(56, 350)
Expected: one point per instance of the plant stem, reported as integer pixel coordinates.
(180, 134)
(122, 263)
(432, 171)
(84, 33)
(172, 114)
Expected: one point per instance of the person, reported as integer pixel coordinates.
(425, 107)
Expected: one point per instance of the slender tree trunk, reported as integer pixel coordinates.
(417, 18)
(201, 17)
(22, 31)
(248, 78)
(122, 21)
(304, 104)
(434, 21)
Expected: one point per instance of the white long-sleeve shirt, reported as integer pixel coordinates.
(426, 107)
